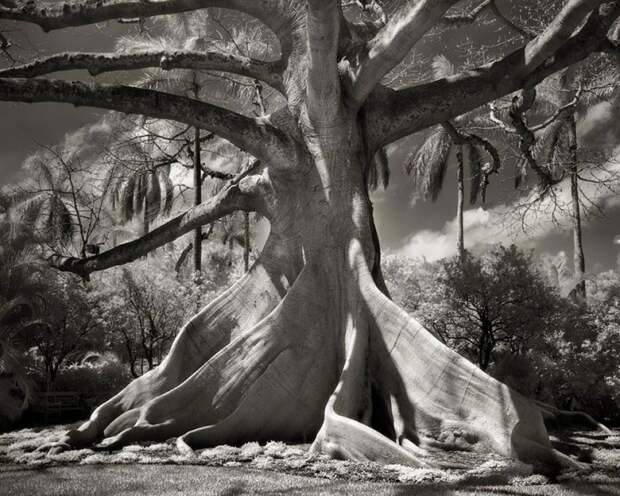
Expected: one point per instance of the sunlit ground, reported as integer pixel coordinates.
(277, 468)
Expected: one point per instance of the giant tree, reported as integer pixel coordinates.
(306, 345)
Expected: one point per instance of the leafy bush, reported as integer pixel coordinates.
(95, 380)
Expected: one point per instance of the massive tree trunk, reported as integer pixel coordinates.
(306, 345)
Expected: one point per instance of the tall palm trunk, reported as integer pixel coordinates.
(460, 242)
(197, 201)
(246, 240)
(578, 255)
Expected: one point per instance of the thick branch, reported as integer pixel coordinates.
(394, 114)
(323, 26)
(240, 194)
(98, 63)
(388, 48)
(52, 15)
(256, 136)
(557, 33)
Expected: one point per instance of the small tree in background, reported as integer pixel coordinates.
(498, 302)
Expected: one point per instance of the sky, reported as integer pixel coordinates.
(406, 226)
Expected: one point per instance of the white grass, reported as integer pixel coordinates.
(23, 447)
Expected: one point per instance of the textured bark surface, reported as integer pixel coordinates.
(307, 346)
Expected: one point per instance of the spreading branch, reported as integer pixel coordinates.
(98, 63)
(240, 193)
(395, 114)
(256, 136)
(392, 43)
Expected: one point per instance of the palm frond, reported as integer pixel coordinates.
(429, 163)
(60, 223)
(475, 169)
(442, 67)
(520, 172)
(127, 195)
(379, 170)
(152, 201)
(168, 189)
(30, 209)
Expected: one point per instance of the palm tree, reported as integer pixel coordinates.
(198, 31)
(429, 162)
(147, 193)
(44, 203)
(557, 148)
(23, 293)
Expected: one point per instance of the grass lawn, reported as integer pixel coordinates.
(276, 468)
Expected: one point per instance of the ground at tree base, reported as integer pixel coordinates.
(275, 468)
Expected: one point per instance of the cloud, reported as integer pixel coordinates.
(523, 222)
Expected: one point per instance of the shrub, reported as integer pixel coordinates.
(94, 380)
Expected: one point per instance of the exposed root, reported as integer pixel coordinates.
(341, 436)
(369, 381)
(240, 307)
(440, 391)
(556, 418)
(255, 388)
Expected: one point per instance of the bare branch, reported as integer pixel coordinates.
(394, 114)
(563, 111)
(98, 63)
(394, 41)
(256, 136)
(240, 194)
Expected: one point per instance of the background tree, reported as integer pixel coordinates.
(71, 329)
(551, 147)
(308, 328)
(564, 356)
(144, 306)
(496, 302)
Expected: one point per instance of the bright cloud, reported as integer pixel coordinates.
(515, 224)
